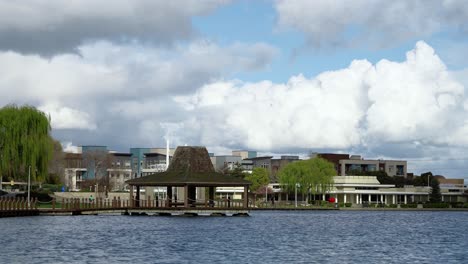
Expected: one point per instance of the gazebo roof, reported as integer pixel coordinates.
(189, 166)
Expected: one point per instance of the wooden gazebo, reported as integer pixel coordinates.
(191, 168)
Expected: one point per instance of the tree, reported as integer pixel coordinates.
(97, 162)
(56, 165)
(24, 142)
(237, 171)
(259, 179)
(435, 195)
(311, 176)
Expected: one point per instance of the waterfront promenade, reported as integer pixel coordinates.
(15, 207)
(80, 206)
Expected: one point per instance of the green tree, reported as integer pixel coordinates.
(237, 171)
(312, 176)
(56, 166)
(435, 195)
(259, 178)
(24, 142)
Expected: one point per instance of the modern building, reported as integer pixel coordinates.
(346, 164)
(367, 190)
(138, 157)
(74, 171)
(244, 154)
(272, 165)
(142, 167)
(154, 162)
(120, 170)
(225, 162)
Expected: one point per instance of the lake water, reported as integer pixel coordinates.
(264, 237)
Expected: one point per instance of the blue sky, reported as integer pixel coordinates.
(384, 79)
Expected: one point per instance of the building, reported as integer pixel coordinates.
(154, 162)
(139, 165)
(278, 164)
(244, 154)
(120, 170)
(138, 157)
(74, 171)
(367, 190)
(346, 164)
(225, 162)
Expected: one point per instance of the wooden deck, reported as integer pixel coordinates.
(18, 207)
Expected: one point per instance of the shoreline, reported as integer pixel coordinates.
(361, 209)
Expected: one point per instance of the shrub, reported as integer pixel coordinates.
(42, 196)
(457, 205)
(392, 206)
(409, 205)
(436, 205)
(348, 204)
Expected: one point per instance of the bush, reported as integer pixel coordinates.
(51, 188)
(42, 196)
(392, 206)
(457, 205)
(465, 205)
(436, 205)
(409, 205)
(348, 204)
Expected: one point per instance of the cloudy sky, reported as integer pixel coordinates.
(384, 79)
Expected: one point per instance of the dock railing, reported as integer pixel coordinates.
(83, 204)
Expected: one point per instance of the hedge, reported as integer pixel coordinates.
(436, 205)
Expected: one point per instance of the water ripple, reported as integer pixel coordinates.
(265, 237)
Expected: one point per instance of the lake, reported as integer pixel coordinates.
(264, 237)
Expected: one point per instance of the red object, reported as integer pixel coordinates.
(331, 200)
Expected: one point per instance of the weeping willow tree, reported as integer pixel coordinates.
(308, 176)
(24, 142)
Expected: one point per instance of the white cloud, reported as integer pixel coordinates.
(382, 23)
(68, 147)
(105, 84)
(413, 100)
(67, 118)
(54, 26)
(363, 104)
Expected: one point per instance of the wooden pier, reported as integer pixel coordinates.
(11, 207)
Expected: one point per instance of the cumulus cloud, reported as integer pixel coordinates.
(106, 84)
(55, 26)
(361, 105)
(378, 23)
(68, 147)
(63, 117)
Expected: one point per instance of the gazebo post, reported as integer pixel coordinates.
(211, 195)
(186, 196)
(137, 198)
(246, 196)
(131, 196)
(169, 195)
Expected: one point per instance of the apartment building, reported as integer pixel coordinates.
(349, 165)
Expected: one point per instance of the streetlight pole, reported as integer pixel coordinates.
(29, 187)
(295, 195)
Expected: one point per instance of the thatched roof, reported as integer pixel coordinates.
(189, 166)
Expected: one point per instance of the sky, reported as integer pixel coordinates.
(382, 79)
